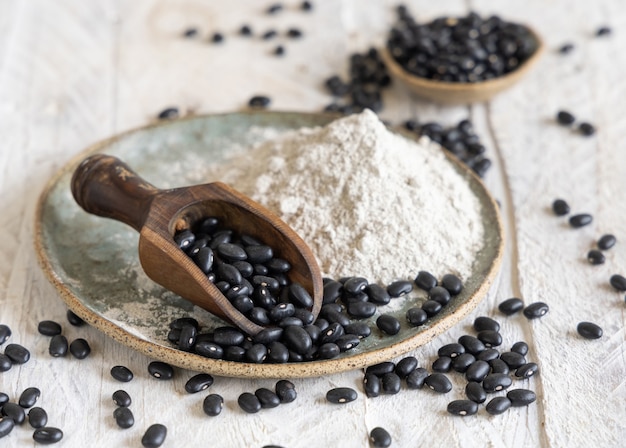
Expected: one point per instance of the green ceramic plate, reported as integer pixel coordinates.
(94, 264)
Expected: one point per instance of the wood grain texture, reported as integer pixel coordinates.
(73, 72)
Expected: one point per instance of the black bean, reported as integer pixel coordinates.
(438, 382)
(47, 435)
(606, 242)
(229, 273)
(425, 280)
(565, 118)
(332, 333)
(416, 316)
(204, 259)
(267, 398)
(498, 405)
(372, 385)
(490, 338)
(380, 438)
(14, 411)
(618, 282)
(520, 347)
(6, 426)
(511, 306)
(228, 336)
(399, 288)
(269, 34)
(74, 319)
(595, 257)
(179, 323)
(347, 342)
(29, 397)
(361, 310)
(278, 266)
(294, 33)
(286, 391)
(263, 280)
(306, 6)
(249, 402)
(279, 50)
(209, 349)
(566, 48)
(496, 381)
(5, 363)
(475, 392)
(58, 346)
(405, 366)
(277, 352)
(340, 395)
(257, 353)
(49, 328)
(415, 379)
(4, 399)
(488, 354)
(589, 330)
(246, 305)
(354, 285)
(580, 220)
(442, 364)
(268, 335)
(332, 291)
(198, 383)
(37, 417)
(499, 366)
(462, 362)
(213, 404)
(259, 316)
(486, 323)
(451, 350)
(154, 436)
(431, 307)
(5, 333)
(274, 8)
(462, 407)
(232, 252)
(452, 283)
(527, 370)
(560, 207)
(388, 324)
(161, 370)
(259, 101)
(472, 344)
(217, 38)
(184, 238)
(300, 296)
(124, 417)
(536, 310)
(187, 338)
(208, 225)
(17, 353)
(223, 236)
(169, 113)
(80, 348)
(234, 353)
(121, 398)
(391, 383)
(377, 294)
(244, 268)
(439, 294)
(477, 371)
(381, 368)
(122, 373)
(513, 359)
(586, 129)
(297, 339)
(521, 397)
(328, 350)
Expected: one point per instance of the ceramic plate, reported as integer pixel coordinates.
(93, 262)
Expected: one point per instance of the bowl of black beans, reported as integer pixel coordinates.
(459, 60)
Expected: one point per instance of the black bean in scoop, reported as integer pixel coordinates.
(486, 323)
(15, 412)
(286, 391)
(580, 220)
(388, 324)
(498, 405)
(536, 310)
(29, 397)
(5, 333)
(47, 435)
(527, 370)
(204, 259)
(37, 417)
(462, 407)
(438, 382)
(58, 346)
(6, 426)
(521, 397)
(17, 353)
(380, 438)
(249, 402)
(496, 381)
(122, 373)
(340, 395)
(49, 328)
(161, 370)
(452, 283)
(154, 436)
(416, 317)
(121, 398)
(399, 288)
(560, 207)
(595, 257)
(124, 417)
(606, 242)
(267, 398)
(475, 392)
(589, 330)
(259, 102)
(80, 348)
(5, 363)
(212, 405)
(618, 282)
(425, 280)
(299, 296)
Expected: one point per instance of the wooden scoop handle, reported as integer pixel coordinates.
(106, 186)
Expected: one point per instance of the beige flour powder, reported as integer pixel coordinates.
(368, 202)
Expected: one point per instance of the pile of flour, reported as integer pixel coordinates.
(366, 201)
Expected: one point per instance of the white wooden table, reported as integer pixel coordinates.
(73, 72)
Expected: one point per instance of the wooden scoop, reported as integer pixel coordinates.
(105, 186)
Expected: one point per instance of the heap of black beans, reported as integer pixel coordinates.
(465, 49)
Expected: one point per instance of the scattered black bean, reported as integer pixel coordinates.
(15, 412)
(477, 371)
(425, 280)
(169, 113)
(294, 33)
(49, 328)
(6, 426)
(595, 257)
(249, 402)
(586, 129)
(521, 397)
(438, 382)
(560, 207)
(589, 330)
(306, 6)
(566, 119)
(603, 31)
(606, 242)
(580, 220)
(198, 383)
(259, 102)
(475, 392)
(190, 33)
(372, 385)
(267, 398)
(472, 344)
(391, 383)
(617, 281)
(499, 366)
(462, 362)
(442, 364)
(37, 417)
(276, 7)
(405, 366)
(566, 48)
(513, 359)
(29, 397)
(17, 353)
(340, 395)
(121, 398)
(212, 405)
(58, 346)
(245, 30)
(47, 435)
(416, 379)
(520, 347)
(488, 354)
(80, 348)
(451, 350)
(381, 368)
(498, 405)
(527, 370)
(496, 381)
(462, 407)
(486, 323)
(490, 338)
(4, 399)
(5, 363)
(380, 438)
(511, 306)
(161, 370)
(5, 333)
(279, 50)
(124, 417)
(217, 38)
(536, 310)
(154, 436)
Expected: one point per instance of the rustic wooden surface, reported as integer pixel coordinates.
(73, 72)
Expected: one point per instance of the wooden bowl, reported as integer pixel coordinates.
(462, 93)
